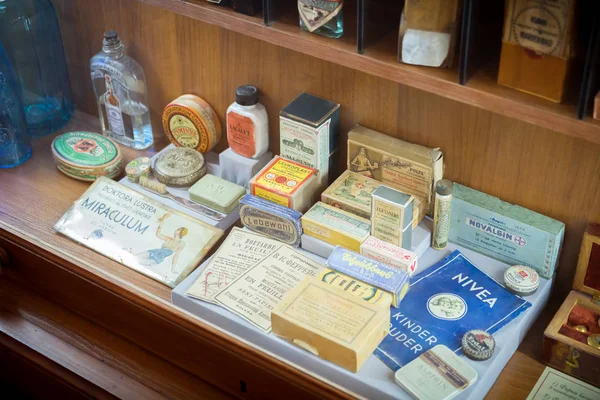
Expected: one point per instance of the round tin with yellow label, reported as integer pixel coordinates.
(85, 156)
(191, 122)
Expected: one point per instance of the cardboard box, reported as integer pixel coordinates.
(391, 279)
(389, 254)
(506, 232)
(565, 348)
(392, 216)
(335, 226)
(408, 167)
(330, 323)
(351, 192)
(309, 128)
(536, 47)
(287, 183)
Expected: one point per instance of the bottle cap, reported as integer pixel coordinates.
(478, 344)
(443, 187)
(246, 95)
(138, 168)
(521, 280)
(179, 167)
(594, 340)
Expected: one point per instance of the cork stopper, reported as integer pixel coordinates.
(443, 187)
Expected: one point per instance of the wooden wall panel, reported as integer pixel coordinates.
(540, 169)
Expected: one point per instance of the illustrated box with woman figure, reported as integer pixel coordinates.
(138, 232)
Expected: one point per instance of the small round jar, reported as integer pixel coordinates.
(478, 345)
(137, 168)
(85, 156)
(179, 167)
(521, 280)
(191, 122)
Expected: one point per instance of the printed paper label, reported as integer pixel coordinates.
(388, 221)
(256, 293)
(329, 314)
(238, 253)
(396, 172)
(316, 13)
(184, 131)
(441, 221)
(285, 177)
(305, 144)
(538, 25)
(240, 134)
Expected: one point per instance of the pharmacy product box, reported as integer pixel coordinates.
(287, 183)
(506, 232)
(335, 226)
(408, 167)
(389, 254)
(351, 192)
(391, 279)
(392, 216)
(309, 128)
(330, 323)
(270, 219)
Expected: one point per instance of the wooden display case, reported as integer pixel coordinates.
(564, 347)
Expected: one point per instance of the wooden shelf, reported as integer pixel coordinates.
(48, 195)
(380, 60)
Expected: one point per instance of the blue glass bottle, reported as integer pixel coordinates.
(31, 36)
(15, 144)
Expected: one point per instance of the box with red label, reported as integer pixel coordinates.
(288, 183)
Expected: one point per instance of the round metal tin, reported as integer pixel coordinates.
(86, 156)
(191, 122)
(521, 280)
(478, 344)
(137, 168)
(179, 167)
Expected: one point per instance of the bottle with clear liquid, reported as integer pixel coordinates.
(322, 17)
(120, 87)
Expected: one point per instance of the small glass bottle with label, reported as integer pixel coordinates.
(120, 88)
(247, 124)
(322, 17)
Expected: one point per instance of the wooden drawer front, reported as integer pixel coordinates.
(569, 360)
(234, 367)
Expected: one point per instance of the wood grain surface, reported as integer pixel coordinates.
(540, 169)
(379, 60)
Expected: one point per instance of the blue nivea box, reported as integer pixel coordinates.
(385, 277)
(504, 231)
(270, 219)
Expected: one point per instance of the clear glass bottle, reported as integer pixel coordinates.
(15, 144)
(120, 87)
(31, 37)
(322, 17)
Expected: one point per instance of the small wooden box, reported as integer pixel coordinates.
(566, 353)
(537, 47)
